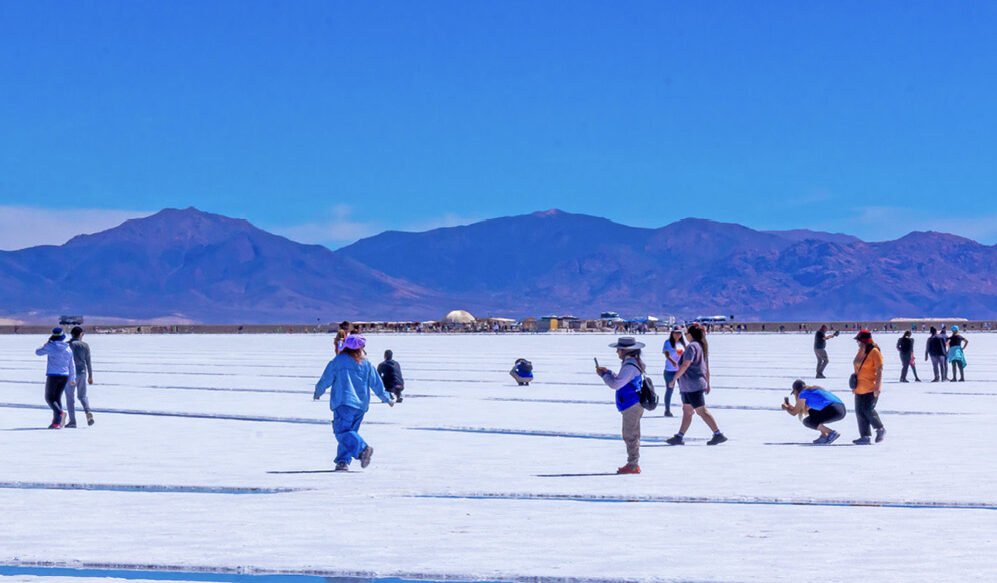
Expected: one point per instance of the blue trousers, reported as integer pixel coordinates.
(346, 425)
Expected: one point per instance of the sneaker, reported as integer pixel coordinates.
(64, 417)
(70, 425)
(820, 440)
(675, 440)
(55, 425)
(717, 439)
(341, 467)
(832, 437)
(669, 414)
(365, 456)
(904, 381)
(880, 434)
(89, 418)
(862, 441)
(820, 376)
(628, 469)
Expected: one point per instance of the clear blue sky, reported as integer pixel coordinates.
(332, 120)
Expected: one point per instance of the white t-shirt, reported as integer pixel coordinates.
(675, 353)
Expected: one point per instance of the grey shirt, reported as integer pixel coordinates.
(81, 356)
(694, 378)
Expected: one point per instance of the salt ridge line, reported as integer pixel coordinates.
(146, 488)
(342, 576)
(296, 420)
(745, 500)
(540, 433)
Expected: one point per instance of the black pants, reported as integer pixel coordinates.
(865, 412)
(829, 414)
(54, 387)
(906, 361)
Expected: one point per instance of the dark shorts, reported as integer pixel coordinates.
(830, 414)
(696, 399)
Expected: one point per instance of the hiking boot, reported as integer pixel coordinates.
(89, 418)
(717, 439)
(342, 467)
(832, 437)
(862, 441)
(880, 434)
(675, 440)
(70, 425)
(365, 456)
(628, 469)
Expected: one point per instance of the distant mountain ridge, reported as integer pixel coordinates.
(195, 266)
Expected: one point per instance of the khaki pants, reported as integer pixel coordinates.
(631, 432)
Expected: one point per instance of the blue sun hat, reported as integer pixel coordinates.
(355, 342)
(955, 328)
(57, 335)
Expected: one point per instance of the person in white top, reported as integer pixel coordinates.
(673, 350)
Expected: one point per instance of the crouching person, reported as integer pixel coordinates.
(522, 371)
(351, 378)
(820, 407)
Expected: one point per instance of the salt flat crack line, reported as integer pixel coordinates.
(746, 501)
(539, 433)
(156, 488)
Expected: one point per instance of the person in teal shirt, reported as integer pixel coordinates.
(350, 378)
(820, 407)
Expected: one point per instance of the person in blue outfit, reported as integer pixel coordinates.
(522, 371)
(820, 407)
(627, 384)
(351, 378)
(60, 371)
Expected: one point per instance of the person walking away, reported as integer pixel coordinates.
(820, 349)
(673, 349)
(693, 378)
(868, 365)
(351, 378)
(84, 377)
(905, 346)
(627, 384)
(945, 344)
(60, 370)
(391, 376)
(956, 353)
(522, 371)
(820, 407)
(936, 350)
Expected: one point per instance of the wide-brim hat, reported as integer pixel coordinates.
(627, 343)
(355, 342)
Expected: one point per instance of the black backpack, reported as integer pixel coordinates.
(648, 397)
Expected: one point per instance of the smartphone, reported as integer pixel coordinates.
(786, 399)
(596, 360)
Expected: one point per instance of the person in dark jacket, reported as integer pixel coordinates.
(935, 350)
(522, 371)
(391, 376)
(84, 378)
(905, 346)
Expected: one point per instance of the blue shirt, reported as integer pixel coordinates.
(817, 399)
(350, 382)
(626, 383)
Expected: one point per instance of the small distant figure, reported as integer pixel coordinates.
(820, 407)
(956, 354)
(391, 376)
(868, 382)
(522, 371)
(820, 349)
(60, 370)
(936, 350)
(905, 346)
(673, 349)
(84, 377)
(344, 330)
(351, 378)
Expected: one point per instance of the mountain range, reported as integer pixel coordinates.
(191, 266)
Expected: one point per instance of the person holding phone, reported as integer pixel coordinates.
(60, 371)
(673, 349)
(820, 407)
(627, 384)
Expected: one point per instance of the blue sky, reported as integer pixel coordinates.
(329, 121)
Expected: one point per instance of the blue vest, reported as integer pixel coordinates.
(629, 395)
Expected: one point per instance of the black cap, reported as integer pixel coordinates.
(798, 385)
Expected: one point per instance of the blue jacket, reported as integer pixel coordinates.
(350, 382)
(60, 360)
(627, 384)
